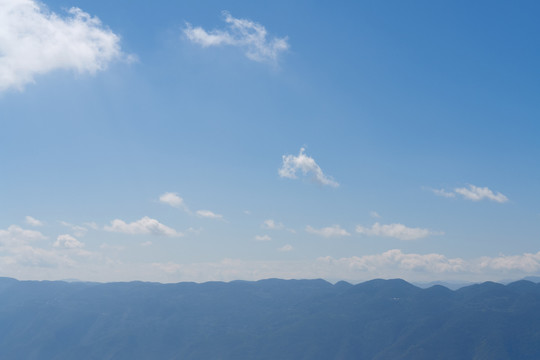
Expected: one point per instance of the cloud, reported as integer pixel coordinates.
(286, 248)
(15, 235)
(263, 238)
(33, 222)
(208, 214)
(145, 225)
(272, 225)
(374, 214)
(330, 231)
(79, 231)
(443, 193)
(36, 41)
(67, 241)
(172, 199)
(245, 34)
(146, 243)
(527, 262)
(398, 231)
(307, 165)
(395, 259)
(476, 193)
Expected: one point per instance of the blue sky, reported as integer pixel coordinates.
(240, 140)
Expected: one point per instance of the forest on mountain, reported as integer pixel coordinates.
(268, 319)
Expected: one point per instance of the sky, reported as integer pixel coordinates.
(220, 140)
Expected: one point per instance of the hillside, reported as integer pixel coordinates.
(268, 319)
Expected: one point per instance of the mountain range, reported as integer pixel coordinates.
(268, 319)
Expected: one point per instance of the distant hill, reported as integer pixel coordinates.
(268, 319)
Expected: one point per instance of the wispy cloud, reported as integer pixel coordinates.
(243, 33)
(476, 193)
(33, 222)
(307, 166)
(272, 225)
(286, 248)
(145, 225)
(78, 230)
(398, 231)
(330, 231)
(209, 214)
(374, 214)
(262, 238)
(472, 192)
(36, 41)
(392, 260)
(443, 193)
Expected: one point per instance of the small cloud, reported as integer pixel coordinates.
(195, 231)
(172, 199)
(146, 243)
(286, 248)
(243, 33)
(33, 222)
(247, 212)
(443, 193)
(78, 230)
(476, 193)
(263, 238)
(67, 241)
(306, 165)
(398, 231)
(92, 225)
(374, 214)
(330, 231)
(145, 225)
(209, 214)
(272, 225)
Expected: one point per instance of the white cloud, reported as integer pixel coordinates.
(476, 193)
(78, 230)
(330, 231)
(263, 238)
(34, 263)
(195, 231)
(34, 40)
(145, 225)
(374, 214)
(246, 34)
(208, 214)
(15, 235)
(67, 241)
(392, 260)
(398, 231)
(172, 199)
(307, 165)
(272, 225)
(33, 222)
(286, 248)
(528, 263)
(443, 193)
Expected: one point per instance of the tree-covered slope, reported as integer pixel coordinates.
(268, 319)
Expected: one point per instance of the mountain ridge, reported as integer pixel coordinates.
(268, 319)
